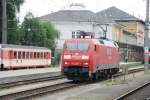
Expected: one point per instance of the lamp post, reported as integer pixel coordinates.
(4, 22)
(146, 48)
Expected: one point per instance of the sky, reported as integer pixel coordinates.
(42, 7)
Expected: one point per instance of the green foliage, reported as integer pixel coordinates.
(131, 65)
(49, 34)
(31, 32)
(37, 33)
(13, 6)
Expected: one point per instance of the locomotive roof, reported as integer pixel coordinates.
(21, 46)
(97, 41)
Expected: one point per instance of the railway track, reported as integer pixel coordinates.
(50, 88)
(26, 82)
(30, 79)
(140, 93)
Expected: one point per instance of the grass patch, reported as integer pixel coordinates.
(131, 65)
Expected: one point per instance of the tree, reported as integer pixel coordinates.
(50, 33)
(13, 6)
(37, 33)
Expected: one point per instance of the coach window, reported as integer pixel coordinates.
(34, 55)
(38, 55)
(15, 54)
(27, 55)
(44, 55)
(41, 55)
(19, 55)
(31, 55)
(23, 55)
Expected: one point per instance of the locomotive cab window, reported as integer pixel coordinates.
(77, 46)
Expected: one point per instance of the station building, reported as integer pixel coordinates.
(113, 23)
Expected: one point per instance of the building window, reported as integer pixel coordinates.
(73, 35)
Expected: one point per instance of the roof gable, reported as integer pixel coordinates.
(114, 14)
(70, 15)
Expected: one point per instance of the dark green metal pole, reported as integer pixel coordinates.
(146, 38)
(4, 22)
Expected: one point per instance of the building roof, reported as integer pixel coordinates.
(70, 15)
(108, 15)
(114, 14)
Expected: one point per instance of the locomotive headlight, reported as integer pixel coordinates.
(85, 57)
(85, 63)
(66, 63)
(67, 56)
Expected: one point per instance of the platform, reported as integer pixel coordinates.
(11, 76)
(106, 90)
(28, 74)
(21, 72)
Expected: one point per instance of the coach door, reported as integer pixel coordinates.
(11, 56)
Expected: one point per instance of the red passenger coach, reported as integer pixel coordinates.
(84, 59)
(16, 56)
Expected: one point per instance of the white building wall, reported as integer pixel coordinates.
(99, 32)
(66, 29)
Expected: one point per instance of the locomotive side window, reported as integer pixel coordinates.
(15, 54)
(94, 47)
(101, 41)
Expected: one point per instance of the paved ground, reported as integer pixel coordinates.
(21, 72)
(107, 90)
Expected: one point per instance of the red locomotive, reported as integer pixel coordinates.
(16, 56)
(89, 58)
